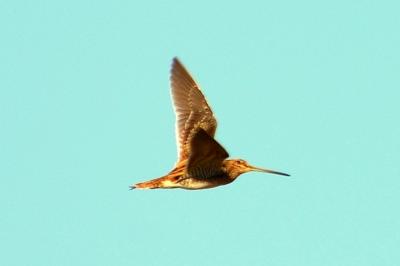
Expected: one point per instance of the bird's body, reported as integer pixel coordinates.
(177, 178)
(202, 161)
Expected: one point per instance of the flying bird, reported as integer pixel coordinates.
(202, 161)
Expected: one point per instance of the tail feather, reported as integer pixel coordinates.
(152, 184)
(168, 181)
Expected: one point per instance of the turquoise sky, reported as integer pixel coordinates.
(311, 88)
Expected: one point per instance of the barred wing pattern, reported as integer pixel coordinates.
(191, 109)
(206, 156)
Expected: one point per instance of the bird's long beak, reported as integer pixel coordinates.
(258, 169)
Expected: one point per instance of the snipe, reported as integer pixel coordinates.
(202, 161)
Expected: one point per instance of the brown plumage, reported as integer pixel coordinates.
(202, 161)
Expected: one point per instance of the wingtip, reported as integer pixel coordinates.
(176, 61)
(132, 187)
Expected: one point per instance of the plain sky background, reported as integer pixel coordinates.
(306, 87)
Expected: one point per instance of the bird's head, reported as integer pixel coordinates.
(237, 167)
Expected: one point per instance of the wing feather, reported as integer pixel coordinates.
(206, 156)
(191, 109)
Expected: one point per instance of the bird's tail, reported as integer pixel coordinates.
(162, 182)
(155, 183)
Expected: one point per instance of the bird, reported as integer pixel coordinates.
(202, 162)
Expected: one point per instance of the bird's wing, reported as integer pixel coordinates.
(206, 156)
(191, 108)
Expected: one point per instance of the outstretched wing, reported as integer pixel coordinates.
(206, 156)
(191, 109)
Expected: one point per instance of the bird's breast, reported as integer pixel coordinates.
(203, 183)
